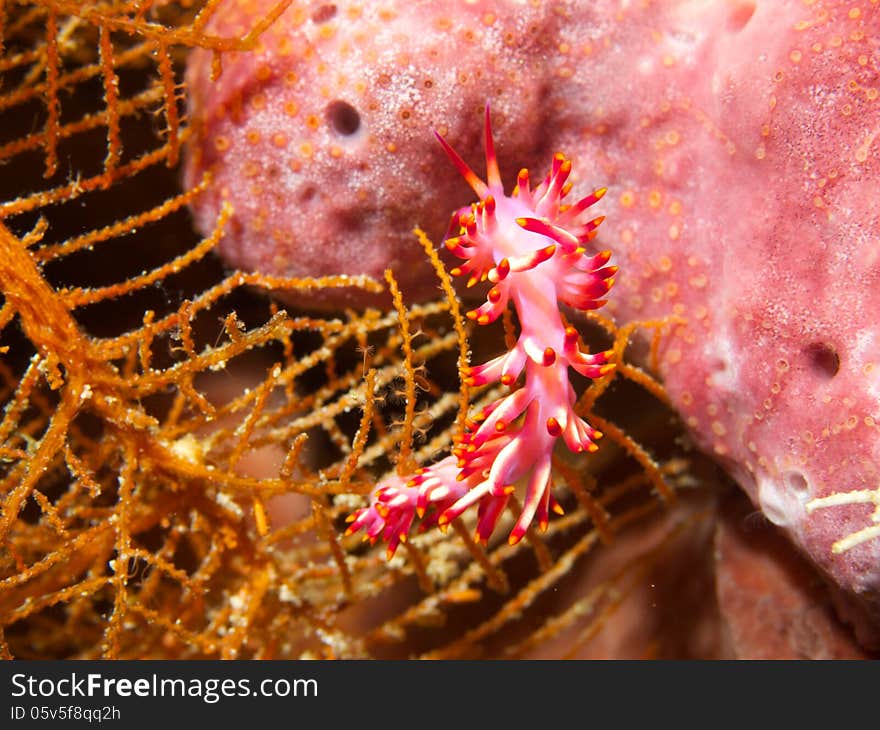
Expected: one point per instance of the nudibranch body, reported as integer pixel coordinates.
(531, 247)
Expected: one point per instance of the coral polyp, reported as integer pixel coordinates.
(532, 247)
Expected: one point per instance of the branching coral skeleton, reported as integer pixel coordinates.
(531, 247)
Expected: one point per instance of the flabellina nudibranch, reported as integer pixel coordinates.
(531, 247)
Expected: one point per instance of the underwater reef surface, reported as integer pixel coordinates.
(737, 144)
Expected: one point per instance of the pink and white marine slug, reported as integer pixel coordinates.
(530, 246)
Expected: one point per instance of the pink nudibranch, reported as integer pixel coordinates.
(531, 247)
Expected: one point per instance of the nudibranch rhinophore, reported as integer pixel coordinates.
(738, 141)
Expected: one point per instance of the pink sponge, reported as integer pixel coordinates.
(738, 146)
(321, 139)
